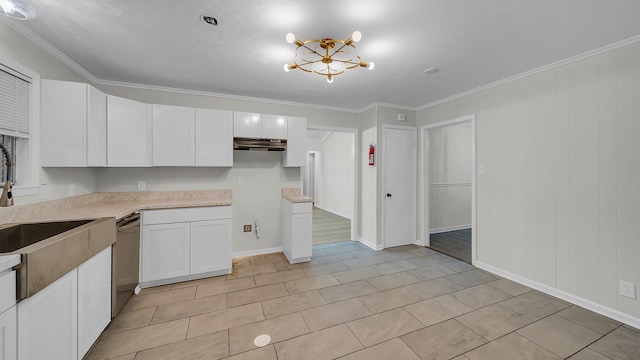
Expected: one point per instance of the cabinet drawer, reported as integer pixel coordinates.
(304, 207)
(167, 216)
(7, 290)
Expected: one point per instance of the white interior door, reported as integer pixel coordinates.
(399, 185)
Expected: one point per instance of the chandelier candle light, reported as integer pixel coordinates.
(326, 57)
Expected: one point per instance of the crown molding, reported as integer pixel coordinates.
(47, 47)
(569, 60)
(380, 104)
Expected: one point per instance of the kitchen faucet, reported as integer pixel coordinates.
(7, 197)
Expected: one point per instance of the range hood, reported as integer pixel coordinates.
(257, 144)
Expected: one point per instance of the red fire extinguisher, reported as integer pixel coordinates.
(372, 151)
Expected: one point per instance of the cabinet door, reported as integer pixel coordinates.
(274, 126)
(247, 125)
(48, 322)
(296, 154)
(165, 251)
(210, 246)
(301, 235)
(174, 132)
(214, 138)
(96, 127)
(94, 299)
(128, 133)
(9, 334)
(63, 123)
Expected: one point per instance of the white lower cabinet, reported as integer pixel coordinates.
(185, 244)
(63, 320)
(8, 334)
(296, 231)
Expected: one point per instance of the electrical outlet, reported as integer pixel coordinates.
(247, 228)
(628, 289)
(142, 186)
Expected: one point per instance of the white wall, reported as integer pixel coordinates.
(337, 174)
(449, 178)
(368, 211)
(558, 204)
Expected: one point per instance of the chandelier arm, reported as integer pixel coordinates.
(341, 47)
(310, 49)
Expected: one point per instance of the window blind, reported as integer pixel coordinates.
(14, 104)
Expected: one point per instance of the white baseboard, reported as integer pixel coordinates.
(587, 304)
(256, 252)
(370, 244)
(449, 228)
(334, 212)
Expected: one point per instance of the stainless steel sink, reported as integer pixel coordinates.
(49, 250)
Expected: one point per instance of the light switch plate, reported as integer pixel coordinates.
(72, 189)
(481, 169)
(628, 289)
(240, 180)
(142, 186)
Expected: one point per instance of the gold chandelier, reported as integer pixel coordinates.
(326, 57)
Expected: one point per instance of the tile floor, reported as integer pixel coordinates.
(354, 303)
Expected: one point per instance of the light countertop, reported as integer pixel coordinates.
(295, 195)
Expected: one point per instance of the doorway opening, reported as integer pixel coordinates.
(330, 179)
(449, 187)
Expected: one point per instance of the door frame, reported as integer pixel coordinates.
(355, 155)
(383, 193)
(424, 175)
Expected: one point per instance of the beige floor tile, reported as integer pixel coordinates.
(137, 302)
(364, 261)
(389, 299)
(512, 346)
(279, 328)
(443, 341)
(421, 251)
(252, 270)
(260, 293)
(280, 276)
(430, 272)
(438, 309)
(559, 335)
(265, 353)
(316, 270)
(535, 305)
(327, 259)
(131, 320)
(493, 321)
(588, 354)
(207, 347)
(267, 258)
(311, 283)
(224, 319)
(348, 276)
(333, 314)
(221, 287)
(589, 319)
(397, 256)
(204, 281)
(432, 288)
(384, 326)
(324, 344)
(471, 278)
(347, 291)
(621, 343)
(393, 349)
(458, 266)
(155, 289)
(125, 357)
(395, 266)
(480, 296)
(391, 281)
(315, 252)
(189, 308)
(292, 303)
(283, 266)
(364, 253)
(430, 260)
(509, 287)
(131, 341)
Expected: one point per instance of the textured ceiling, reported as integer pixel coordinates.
(471, 42)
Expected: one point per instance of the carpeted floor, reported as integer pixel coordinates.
(453, 243)
(329, 227)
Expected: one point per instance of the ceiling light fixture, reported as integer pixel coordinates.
(18, 9)
(326, 57)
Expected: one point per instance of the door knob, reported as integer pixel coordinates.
(388, 195)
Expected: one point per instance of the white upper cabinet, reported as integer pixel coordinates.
(174, 136)
(296, 153)
(214, 138)
(73, 124)
(247, 125)
(128, 133)
(274, 126)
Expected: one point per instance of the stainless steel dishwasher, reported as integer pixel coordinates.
(126, 261)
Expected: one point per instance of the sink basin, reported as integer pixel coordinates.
(49, 250)
(21, 235)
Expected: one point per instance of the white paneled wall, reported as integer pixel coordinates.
(560, 201)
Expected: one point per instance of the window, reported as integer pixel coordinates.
(19, 107)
